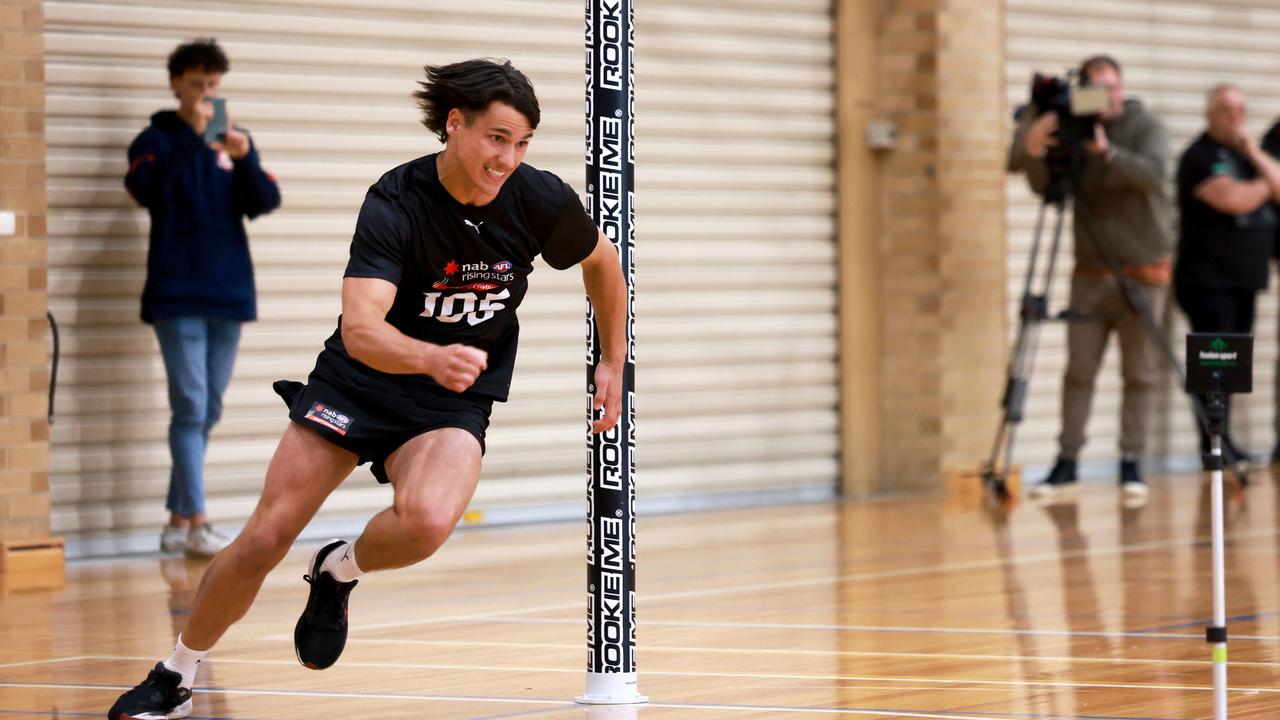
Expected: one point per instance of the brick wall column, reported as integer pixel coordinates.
(971, 227)
(934, 234)
(24, 356)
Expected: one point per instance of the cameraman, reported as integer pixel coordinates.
(1120, 209)
(1225, 187)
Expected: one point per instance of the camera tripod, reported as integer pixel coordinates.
(1034, 312)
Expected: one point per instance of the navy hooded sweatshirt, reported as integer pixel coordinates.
(198, 261)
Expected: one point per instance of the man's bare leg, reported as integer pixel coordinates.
(304, 471)
(434, 476)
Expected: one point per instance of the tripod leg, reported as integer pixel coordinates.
(1032, 313)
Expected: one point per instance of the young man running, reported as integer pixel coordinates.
(425, 345)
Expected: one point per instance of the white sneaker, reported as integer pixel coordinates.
(173, 539)
(1134, 495)
(1048, 493)
(205, 542)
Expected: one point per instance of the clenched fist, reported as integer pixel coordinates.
(456, 367)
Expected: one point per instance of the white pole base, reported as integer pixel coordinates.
(611, 689)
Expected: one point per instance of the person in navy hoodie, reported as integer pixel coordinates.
(199, 287)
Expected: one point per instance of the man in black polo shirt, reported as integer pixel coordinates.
(1225, 187)
(1271, 144)
(425, 345)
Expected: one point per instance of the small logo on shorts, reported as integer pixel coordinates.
(502, 266)
(322, 414)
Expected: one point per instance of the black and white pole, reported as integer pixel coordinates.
(611, 497)
(1217, 366)
(1216, 634)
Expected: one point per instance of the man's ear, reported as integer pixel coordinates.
(454, 122)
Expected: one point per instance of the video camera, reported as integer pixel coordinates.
(1078, 106)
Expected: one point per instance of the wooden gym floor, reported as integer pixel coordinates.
(902, 608)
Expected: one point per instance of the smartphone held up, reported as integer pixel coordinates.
(215, 131)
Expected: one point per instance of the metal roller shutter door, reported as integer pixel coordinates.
(736, 271)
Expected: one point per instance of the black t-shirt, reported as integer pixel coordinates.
(1271, 141)
(1271, 144)
(460, 270)
(1214, 248)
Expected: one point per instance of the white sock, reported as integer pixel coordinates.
(341, 563)
(185, 661)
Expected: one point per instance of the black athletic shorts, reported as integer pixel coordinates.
(375, 422)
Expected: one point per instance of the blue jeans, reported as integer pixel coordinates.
(199, 354)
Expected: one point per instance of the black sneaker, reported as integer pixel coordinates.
(321, 632)
(1060, 481)
(159, 697)
(1133, 488)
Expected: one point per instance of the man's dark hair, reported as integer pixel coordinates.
(201, 54)
(1098, 61)
(470, 86)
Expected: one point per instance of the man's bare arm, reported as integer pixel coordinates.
(373, 341)
(607, 288)
(1233, 197)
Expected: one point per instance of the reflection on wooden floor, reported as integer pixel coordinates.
(890, 609)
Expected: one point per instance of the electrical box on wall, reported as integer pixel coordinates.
(882, 134)
(8, 223)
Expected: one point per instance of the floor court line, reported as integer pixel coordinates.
(922, 629)
(47, 661)
(755, 676)
(64, 713)
(839, 652)
(740, 651)
(787, 651)
(881, 712)
(1203, 622)
(1055, 556)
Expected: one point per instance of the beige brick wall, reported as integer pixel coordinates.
(937, 236)
(24, 360)
(971, 226)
